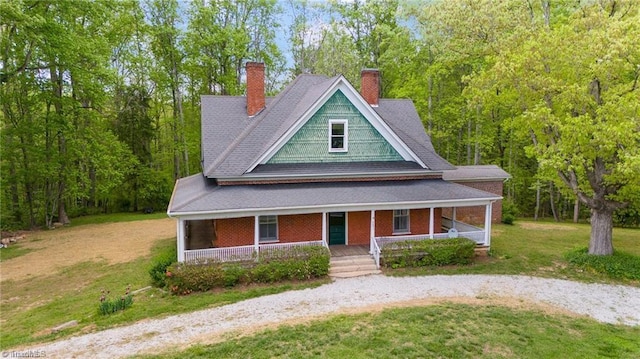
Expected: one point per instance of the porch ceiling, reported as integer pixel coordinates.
(195, 197)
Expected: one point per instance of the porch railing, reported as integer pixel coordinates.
(242, 253)
(376, 253)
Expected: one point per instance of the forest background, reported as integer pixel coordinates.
(101, 100)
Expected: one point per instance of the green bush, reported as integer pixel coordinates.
(619, 265)
(299, 263)
(159, 265)
(424, 253)
(509, 212)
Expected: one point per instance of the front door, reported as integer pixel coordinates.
(337, 228)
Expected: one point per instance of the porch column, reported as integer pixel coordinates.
(256, 234)
(431, 223)
(372, 231)
(324, 229)
(487, 225)
(453, 218)
(180, 239)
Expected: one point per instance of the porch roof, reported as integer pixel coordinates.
(197, 197)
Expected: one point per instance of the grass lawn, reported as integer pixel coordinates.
(439, 331)
(538, 249)
(29, 307)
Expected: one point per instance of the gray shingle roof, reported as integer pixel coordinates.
(478, 172)
(328, 168)
(232, 141)
(196, 194)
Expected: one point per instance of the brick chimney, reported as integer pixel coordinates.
(370, 85)
(255, 87)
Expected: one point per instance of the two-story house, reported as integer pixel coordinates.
(318, 164)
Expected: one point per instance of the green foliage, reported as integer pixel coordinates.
(620, 265)
(509, 212)
(428, 253)
(300, 263)
(111, 305)
(159, 264)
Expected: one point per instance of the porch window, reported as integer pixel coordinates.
(401, 221)
(268, 228)
(338, 136)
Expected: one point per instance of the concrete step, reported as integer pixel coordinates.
(352, 266)
(353, 274)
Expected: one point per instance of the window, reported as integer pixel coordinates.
(268, 228)
(401, 221)
(338, 135)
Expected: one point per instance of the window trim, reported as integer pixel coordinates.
(397, 215)
(262, 239)
(345, 136)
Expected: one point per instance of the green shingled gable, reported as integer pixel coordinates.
(311, 143)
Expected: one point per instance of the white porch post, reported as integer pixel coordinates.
(487, 225)
(372, 231)
(256, 234)
(431, 223)
(180, 239)
(453, 219)
(324, 229)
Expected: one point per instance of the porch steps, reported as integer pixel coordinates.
(352, 266)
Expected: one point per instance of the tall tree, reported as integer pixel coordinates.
(576, 81)
(166, 37)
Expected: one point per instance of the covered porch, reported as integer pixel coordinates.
(241, 221)
(373, 233)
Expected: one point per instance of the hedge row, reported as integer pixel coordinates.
(428, 253)
(301, 263)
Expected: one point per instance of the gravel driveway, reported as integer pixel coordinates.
(605, 303)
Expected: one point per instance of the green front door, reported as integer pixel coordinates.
(337, 221)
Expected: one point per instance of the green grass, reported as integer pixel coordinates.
(439, 331)
(116, 217)
(32, 306)
(539, 249)
(13, 251)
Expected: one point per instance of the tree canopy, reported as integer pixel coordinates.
(100, 101)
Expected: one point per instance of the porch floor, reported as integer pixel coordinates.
(345, 251)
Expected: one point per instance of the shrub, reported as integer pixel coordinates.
(428, 253)
(108, 306)
(299, 263)
(159, 265)
(509, 212)
(620, 265)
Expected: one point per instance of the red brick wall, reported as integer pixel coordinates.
(233, 232)
(418, 221)
(359, 224)
(475, 215)
(300, 228)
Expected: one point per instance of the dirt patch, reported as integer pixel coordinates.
(111, 242)
(546, 226)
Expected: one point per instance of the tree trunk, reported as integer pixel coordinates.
(576, 211)
(537, 209)
(552, 203)
(601, 242)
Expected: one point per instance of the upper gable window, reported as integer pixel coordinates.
(338, 136)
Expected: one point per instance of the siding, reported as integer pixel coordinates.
(311, 143)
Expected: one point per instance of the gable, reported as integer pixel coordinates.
(310, 144)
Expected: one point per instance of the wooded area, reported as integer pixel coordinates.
(100, 100)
